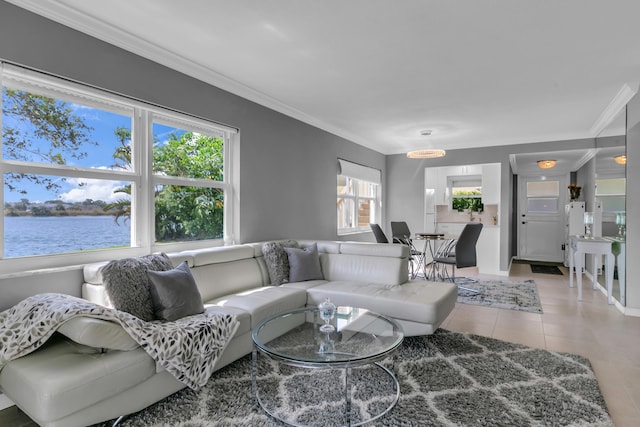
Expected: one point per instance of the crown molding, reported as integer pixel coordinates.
(588, 155)
(619, 101)
(87, 24)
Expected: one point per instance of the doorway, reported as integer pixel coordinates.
(541, 225)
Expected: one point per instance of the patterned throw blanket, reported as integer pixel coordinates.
(187, 348)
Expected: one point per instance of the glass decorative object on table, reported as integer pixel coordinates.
(327, 311)
(621, 222)
(327, 346)
(588, 224)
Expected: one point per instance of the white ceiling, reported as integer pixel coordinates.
(377, 72)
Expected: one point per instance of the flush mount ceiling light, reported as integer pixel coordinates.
(621, 159)
(426, 154)
(546, 164)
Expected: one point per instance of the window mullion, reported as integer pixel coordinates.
(142, 197)
(228, 227)
(179, 180)
(70, 171)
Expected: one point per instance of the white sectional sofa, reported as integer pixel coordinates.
(68, 384)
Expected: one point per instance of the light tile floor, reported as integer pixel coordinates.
(591, 328)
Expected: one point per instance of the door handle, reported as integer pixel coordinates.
(524, 222)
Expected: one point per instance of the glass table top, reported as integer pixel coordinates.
(360, 336)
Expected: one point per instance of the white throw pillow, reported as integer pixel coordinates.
(97, 333)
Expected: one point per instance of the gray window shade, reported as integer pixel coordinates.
(357, 171)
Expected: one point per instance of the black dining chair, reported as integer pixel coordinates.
(401, 234)
(378, 233)
(461, 255)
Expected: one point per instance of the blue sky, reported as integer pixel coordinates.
(101, 156)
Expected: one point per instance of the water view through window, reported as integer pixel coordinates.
(29, 235)
(73, 181)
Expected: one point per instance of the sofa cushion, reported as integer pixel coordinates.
(264, 301)
(304, 263)
(174, 293)
(97, 333)
(54, 383)
(416, 301)
(365, 268)
(127, 284)
(242, 316)
(277, 260)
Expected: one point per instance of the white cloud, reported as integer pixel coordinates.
(94, 189)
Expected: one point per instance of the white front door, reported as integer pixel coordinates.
(541, 218)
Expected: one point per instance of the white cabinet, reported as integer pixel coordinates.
(442, 187)
(488, 251)
(491, 184)
(487, 247)
(465, 170)
(436, 179)
(450, 229)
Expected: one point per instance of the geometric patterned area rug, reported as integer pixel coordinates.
(521, 296)
(446, 379)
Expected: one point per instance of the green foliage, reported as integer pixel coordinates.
(181, 212)
(469, 200)
(40, 118)
(187, 212)
(190, 156)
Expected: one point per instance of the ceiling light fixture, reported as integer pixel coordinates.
(621, 159)
(546, 164)
(426, 154)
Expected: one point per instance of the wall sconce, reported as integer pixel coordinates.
(426, 154)
(621, 159)
(546, 164)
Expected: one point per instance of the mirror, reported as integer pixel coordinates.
(610, 193)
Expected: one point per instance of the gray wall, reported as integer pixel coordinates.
(405, 183)
(633, 205)
(287, 168)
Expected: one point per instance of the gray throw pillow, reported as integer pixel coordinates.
(277, 260)
(127, 284)
(174, 293)
(304, 263)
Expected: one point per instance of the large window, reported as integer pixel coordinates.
(86, 170)
(358, 202)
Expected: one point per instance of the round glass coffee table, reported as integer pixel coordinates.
(360, 339)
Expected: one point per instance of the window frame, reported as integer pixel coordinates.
(465, 181)
(358, 174)
(140, 176)
(550, 194)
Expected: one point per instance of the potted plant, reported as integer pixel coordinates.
(574, 192)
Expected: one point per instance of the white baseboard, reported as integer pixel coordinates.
(5, 402)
